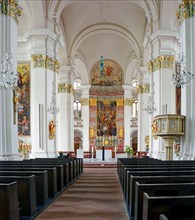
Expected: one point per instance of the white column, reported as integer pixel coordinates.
(85, 115)
(128, 102)
(8, 126)
(187, 31)
(44, 68)
(164, 95)
(164, 45)
(65, 117)
(143, 116)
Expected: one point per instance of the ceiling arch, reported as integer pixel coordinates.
(108, 28)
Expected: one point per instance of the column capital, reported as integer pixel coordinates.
(10, 8)
(143, 88)
(185, 10)
(43, 61)
(161, 62)
(85, 101)
(128, 102)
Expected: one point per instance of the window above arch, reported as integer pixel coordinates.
(77, 84)
(135, 83)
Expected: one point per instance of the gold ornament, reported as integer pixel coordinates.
(120, 102)
(43, 61)
(84, 102)
(185, 10)
(93, 102)
(143, 89)
(161, 62)
(128, 102)
(10, 8)
(65, 88)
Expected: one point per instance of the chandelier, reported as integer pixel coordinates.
(8, 77)
(183, 75)
(53, 109)
(151, 108)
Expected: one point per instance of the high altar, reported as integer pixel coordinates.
(106, 114)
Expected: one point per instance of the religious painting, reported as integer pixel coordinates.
(23, 94)
(106, 118)
(110, 75)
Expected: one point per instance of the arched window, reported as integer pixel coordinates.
(135, 83)
(77, 83)
(77, 105)
(77, 109)
(135, 108)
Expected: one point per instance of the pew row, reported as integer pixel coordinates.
(9, 201)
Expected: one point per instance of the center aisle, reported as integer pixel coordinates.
(96, 195)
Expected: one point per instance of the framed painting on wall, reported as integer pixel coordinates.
(23, 94)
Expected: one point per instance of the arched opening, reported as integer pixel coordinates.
(78, 136)
(134, 140)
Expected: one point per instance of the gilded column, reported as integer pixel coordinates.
(9, 14)
(86, 102)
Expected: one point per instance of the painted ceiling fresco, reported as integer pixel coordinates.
(111, 75)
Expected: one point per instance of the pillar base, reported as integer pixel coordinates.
(169, 147)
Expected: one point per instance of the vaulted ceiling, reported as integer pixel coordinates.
(112, 28)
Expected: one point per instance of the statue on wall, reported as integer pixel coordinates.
(52, 129)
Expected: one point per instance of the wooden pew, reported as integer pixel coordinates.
(153, 173)
(174, 207)
(168, 189)
(123, 162)
(163, 217)
(9, 201)
(73, 167)
(67, 166)
(41, 183)
(151, 168)
(128, 163)
(152, 180)
(52, 179)
(26, 193)
(26, 164)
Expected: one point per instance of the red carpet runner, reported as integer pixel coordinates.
(96, 195)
